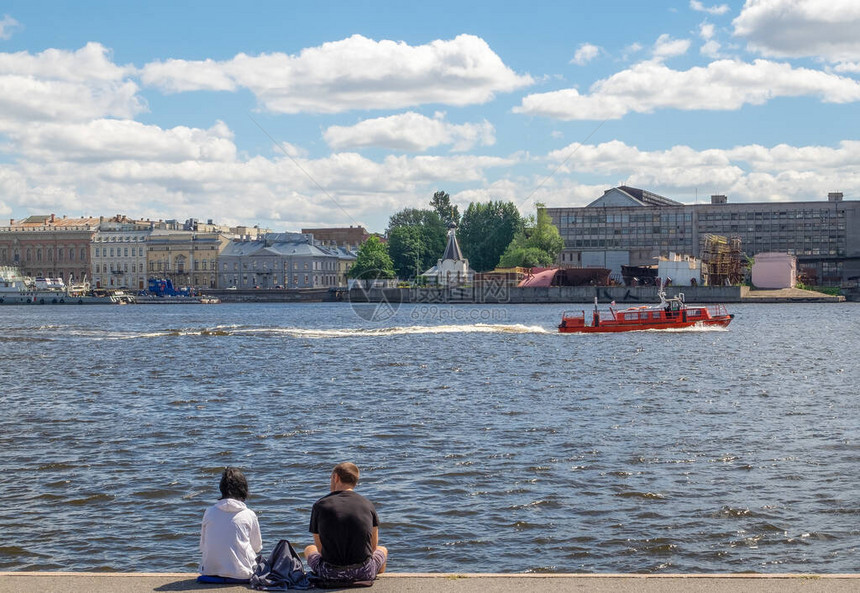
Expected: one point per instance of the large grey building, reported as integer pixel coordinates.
(630, 226)
(279, 260)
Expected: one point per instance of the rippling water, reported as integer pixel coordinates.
(488, 441)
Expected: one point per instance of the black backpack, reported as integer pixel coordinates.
(282, 570)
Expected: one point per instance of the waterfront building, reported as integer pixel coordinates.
(347, 237)
(118, 253)
(186, 258)
(452, 268)
(49, 247)
(279, 260)
(345, 259)
(631, 226)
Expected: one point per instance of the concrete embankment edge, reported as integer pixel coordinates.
(585, 294)
(79, 582)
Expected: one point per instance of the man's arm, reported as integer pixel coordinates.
(318, 543)
(374, 538)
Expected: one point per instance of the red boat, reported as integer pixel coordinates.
(671, 313)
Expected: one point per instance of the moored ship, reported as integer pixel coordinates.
(16, 289)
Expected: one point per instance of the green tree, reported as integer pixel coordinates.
(538, 244)
(486, 230)
(372, 262)
(441, 203)
(517, 256)
(545, 234)
(405, 245)
(425, 241)
(412, 217)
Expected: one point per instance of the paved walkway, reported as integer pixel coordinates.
(47, 582)
(787, 295)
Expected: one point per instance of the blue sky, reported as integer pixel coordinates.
(290, 114)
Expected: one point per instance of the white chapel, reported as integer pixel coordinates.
(452, 269)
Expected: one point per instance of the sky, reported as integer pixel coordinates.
(289, 114)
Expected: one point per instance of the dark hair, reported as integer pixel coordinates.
(233, 484)
(347, 472)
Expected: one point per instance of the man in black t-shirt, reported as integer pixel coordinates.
(345, 527)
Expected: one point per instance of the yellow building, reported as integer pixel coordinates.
(186, 258)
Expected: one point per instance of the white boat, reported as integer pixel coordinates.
(16, 289)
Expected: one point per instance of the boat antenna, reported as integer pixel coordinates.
(661, 292)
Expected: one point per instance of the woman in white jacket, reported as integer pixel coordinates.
(230, 536)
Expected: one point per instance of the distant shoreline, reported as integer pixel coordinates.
(501, 295)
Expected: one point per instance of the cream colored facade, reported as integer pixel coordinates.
(185, 258)
(118, 254)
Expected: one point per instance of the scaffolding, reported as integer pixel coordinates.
(722, 261)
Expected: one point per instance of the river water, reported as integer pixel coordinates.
(488, 441)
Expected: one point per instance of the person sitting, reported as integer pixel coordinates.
(230, 535)
(345, 528)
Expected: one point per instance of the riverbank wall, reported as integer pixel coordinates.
(53, 582)
(583, 294)
(494, 294)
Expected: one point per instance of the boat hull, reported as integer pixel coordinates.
(612, 326)
(49, 298)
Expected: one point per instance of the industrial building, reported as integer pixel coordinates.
(630, 226)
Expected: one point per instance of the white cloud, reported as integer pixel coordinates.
(411, 132)
(179, 179)
(290, 149)
(88, 64)
(585, 53)
(852, 67)
(8, 25)
(801, 28)
(59, 85)
(354, 73)
(666, 47)
(116, 140)
(711, 47)
(177, 76)
(630, 50)
(722, 85)
(715, 10)
(745, 173)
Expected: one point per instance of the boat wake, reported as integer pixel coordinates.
(314, 333)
